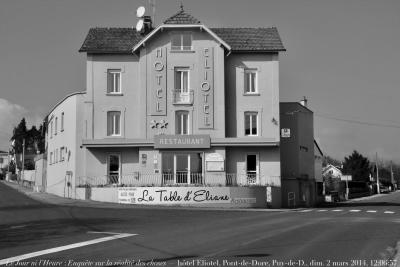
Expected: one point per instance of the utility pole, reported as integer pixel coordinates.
(23, 158)
(341, 166)
(9, 161)
(391, 174)
(377, 174)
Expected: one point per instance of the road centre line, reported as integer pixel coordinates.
(338, 210)
(67, 247)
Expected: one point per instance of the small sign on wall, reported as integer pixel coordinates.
(215, 162)
(144, 159)
(285, 133)
(215, 166)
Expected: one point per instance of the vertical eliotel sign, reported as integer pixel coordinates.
(159, 82)
(206, 89)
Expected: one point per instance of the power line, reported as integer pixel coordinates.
(359, 122)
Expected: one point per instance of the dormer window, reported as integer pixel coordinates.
(181, 42)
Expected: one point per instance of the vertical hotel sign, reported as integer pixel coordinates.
(159, 82)
(206, 89)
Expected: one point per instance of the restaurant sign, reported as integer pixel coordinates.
(181, 141)
(173, 195)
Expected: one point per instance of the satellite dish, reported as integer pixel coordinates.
(139, 25)
(140, 11)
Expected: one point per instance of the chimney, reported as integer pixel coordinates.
(147, 25)
(303, 102)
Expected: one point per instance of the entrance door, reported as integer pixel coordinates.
(68, 184)
(114, 168)
(252, 168)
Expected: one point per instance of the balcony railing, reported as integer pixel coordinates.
(183, 97)
(182, 178)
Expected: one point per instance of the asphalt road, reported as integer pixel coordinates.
(355, 234)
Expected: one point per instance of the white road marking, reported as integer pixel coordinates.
(321, 210)
(389, 212)
(62, 248)
(371, 211)
(18, 226)
(305, 210)
(337, 210)
(354, 210)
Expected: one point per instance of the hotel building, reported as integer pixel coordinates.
(181, 104)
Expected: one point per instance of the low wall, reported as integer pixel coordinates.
(28, 176)
(231, 197)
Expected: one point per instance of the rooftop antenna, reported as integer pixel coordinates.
(152, 3)
(181, 6)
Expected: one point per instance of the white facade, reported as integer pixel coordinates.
(331, 171)
(64, 134)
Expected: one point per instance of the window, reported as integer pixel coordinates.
(182, 122)
(62, 154)
(181, 42)
(114, 167)
(182, 168)
(62, 121)
(51, 158)
(56, 155)
(182, 79)
(114, 123)
(55, 126)
(51, 129)
(114, 81)
(250, 81)
(251, 123)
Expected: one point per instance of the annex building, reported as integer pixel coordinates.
(176, 114)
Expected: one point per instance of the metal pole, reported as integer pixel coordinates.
(23, 159)
(391, 174)
(377, 174)
(9, 161)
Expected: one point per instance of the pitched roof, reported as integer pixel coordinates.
(182, 17)
(319, 149)
(122, 40)
(110, 40)
(251, 39)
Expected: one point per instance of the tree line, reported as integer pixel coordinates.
(361, 167)
(35, 143)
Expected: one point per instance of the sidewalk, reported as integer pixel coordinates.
(46, 197)
(51, 199)
(363, 198)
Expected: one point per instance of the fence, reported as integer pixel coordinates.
(138, 179)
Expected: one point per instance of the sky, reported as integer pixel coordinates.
(343, 55)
